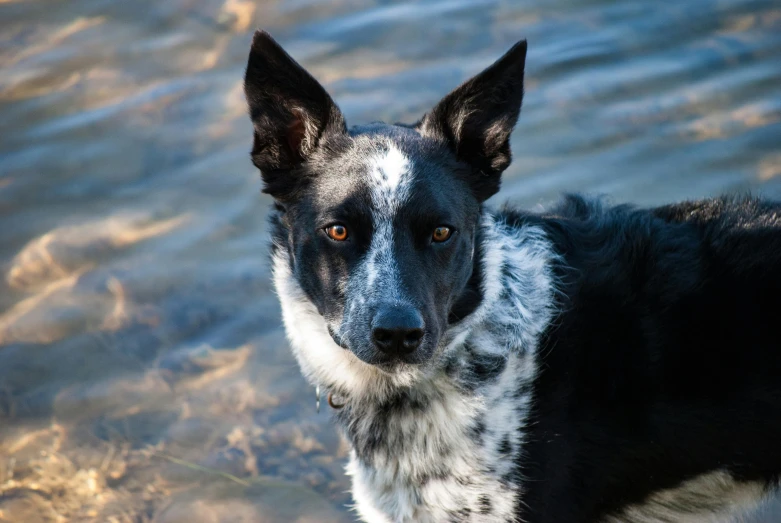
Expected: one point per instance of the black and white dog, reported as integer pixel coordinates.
(586, 364)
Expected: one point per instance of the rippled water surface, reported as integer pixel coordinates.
(143, 371)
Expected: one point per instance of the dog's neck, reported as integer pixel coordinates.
(437, 438)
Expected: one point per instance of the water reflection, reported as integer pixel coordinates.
(143, 373)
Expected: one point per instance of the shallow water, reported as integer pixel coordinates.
(143, 372)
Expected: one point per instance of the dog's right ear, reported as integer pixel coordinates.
(477, 118)
(290, 111)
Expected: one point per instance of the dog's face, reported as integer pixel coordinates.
(382, 239)
(379, 223)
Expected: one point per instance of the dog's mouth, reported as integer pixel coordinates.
(337, 338)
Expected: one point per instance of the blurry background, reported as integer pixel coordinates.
(144, 375)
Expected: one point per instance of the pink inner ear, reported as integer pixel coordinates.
(295, 135)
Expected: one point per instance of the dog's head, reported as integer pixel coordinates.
(379, 222)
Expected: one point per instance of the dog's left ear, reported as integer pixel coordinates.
(477, 118)
(291, 113)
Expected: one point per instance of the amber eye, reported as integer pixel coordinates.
(441, 234)
(337, 232)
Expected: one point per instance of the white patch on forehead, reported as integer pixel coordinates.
(389, 176)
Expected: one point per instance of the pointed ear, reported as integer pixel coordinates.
(477, 118)
(291, 113)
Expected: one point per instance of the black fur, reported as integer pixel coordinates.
(292, 115)
(477, 118)
(665, 362)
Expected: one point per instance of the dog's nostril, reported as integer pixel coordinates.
(414, 336)
(382, 335)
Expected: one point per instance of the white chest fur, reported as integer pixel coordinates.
(451, 459)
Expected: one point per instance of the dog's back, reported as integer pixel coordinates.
(665, 362)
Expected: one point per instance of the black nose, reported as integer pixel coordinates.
(397, 329)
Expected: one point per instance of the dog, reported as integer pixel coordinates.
(589, 363)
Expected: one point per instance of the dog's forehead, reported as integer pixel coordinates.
(378, 166)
